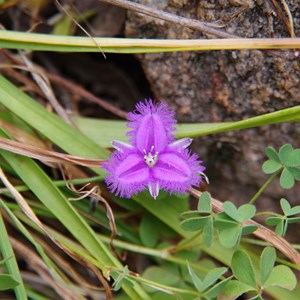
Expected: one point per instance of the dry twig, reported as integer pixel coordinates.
(46, 155)
(156, 13)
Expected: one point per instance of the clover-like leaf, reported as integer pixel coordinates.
(284, 153)
(196, 280)
(293, 210)
(230, 237)
(282, 276)
(280, 230)
(266, 264)
(231, 210)
(243, 269)
(285, 206)
(246, 212)
(194, 224)
(208, 233)
(204, 204)
(295, 171)
(272, 221)
(293, 159)
(272, 154)
(278, 222)
(287, 180)
(271, 166)
(212, 277)
(236, 288)
(248, 229)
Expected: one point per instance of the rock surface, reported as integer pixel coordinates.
(217, 86)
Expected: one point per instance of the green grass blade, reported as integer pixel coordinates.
(96, 129)
(67, 137)
(46, 42)
(26, 233)
(11, 263)
(41, 185)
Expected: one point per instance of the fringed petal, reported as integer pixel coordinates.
(180, 145)
(151, 125)
(122, 147)
(127, 174)
(176, 172)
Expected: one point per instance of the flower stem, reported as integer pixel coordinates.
(271, 178)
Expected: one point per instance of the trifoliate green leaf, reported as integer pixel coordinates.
(243, 269)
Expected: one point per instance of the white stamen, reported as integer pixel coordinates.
(149, 158)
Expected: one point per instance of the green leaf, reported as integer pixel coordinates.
(231, 210)
(161, 275)
(208, 232)
(271, 166)
(224, 223)
(204, 204)
(230, 237)
(242, 268)
(248, 229)
(272, 154)
(272, 221)
(120, 278)
(11, 264)
(53, 127)
(212, 277)
(196, 280)
(235, 288)
(285, 206)
(284, 152)
(267, 261)
(295, 171)
(246, 212)
(217, 289)
(279, 230)
(194, 224)
(294, 210)
(287, 180)
(294, 159)
(7, 282)
(282, 276)
(148, 231)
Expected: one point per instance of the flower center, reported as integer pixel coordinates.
(150, 159)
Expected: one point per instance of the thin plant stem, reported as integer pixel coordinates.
(160, 253)
(58, 183)
(272, 213)
(271, 178)
(204, 27)
(162, 287)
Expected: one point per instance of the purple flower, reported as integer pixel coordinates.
(153, 159)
